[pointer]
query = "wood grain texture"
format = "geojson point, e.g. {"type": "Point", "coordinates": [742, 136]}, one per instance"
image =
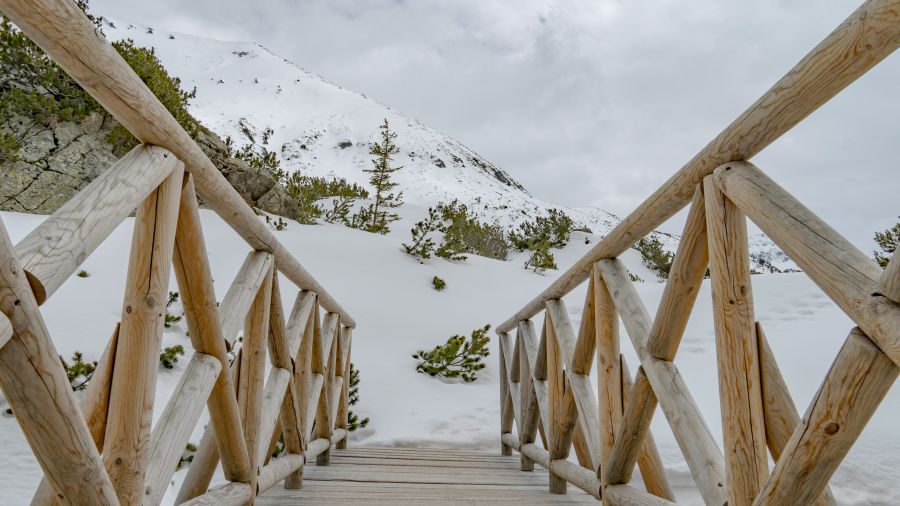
{"type": "Point", "coordinates": [865, 38]}
{"type": "Point", "coordinates": [740, 392]}
{"type": "Point", "coordinates": [172, 430]}
{"type": "Point", "coordinates": [889, 284]}
{"type": "Point", "coordinates": [844, 273]}
{"type": "Point", "coordinates": [697, 443]}
{"type": "Point", "coordinates": [131, 398]}
{"type": "Point", "coordinates": [35, 385]}
{"type": "Point", "coordinates": [609, 371]}
{"type": "Point", "coordinates": [857, 382]}
{"type": "Point", "coordinates": [201, 310]}
{"type": "Point", "coordinates": [779, 408]}
{"type": "Point", "coordinates": [55, 249]}
{"type": "Point", "coordinates": [649, 461]}
{"type": "Point", "coordinates": [85, 54]}
{"type": "Point", "coordinates": [623, 495]}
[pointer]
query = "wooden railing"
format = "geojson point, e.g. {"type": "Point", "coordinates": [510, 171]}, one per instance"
{"type": "Point", "coordinates": [545, 379]}
{"type": "Point", "coordinates": [107, 450]}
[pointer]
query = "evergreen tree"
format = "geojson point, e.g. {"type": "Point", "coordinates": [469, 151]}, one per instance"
{"type": "Point", "coordinates": [354, 422]}
{"type": "Point", "coordinates": [539, 236]}
{"type": "Point", "coordinates": [378, 216]}
{"type": "Point", "coordinates": [459, 357]}
{"type": "Point", "coordinates": [655, 257]}
{"type": "Point", "coordinates": [888, 242]}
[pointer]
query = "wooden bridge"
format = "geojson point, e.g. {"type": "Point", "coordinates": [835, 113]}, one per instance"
{"type": "Point", "coordinates": [106, 450]}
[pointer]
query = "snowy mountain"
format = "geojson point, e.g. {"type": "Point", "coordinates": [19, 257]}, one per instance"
{"type": "Point", "coordinates": [321, 129]}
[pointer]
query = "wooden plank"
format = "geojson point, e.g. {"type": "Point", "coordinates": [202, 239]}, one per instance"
{"type": "Point", "coordinates": [744, 432]}
{"type": "Point", "coordinates": [230, 494]}
{"type": "Point", "coordinates": [696, 441]}
{"type": "Point", "coordinates": [92, 62]}
{"type": "Point", "coordinates": [131, 398]}
{"type": "Point", "coordinates": [857, 382]}
{"type": "Point", "coordinates": [201, 311]}
{"type": "Point", "coordinates": [171, 432]}
{"type": "Point", "coordinates": [866, 37]}
{"type": "Point", "coordinates": [843, 272]}
{"type": "Point", "coordinates": [563, 413]}
{"type": "Point", "coordinates": [779, 409]}
{"type": "Point", "coordinates": [35, 385]}
{"type": "Point", "coordinates": [508, 410]}
{"type": "Point", "coordinates": [55, 249]}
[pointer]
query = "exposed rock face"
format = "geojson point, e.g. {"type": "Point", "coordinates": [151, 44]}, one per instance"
{"type": "Point", "coordinates": [55, 162]}
{"type": "Point", "coordinates": [58, 160]}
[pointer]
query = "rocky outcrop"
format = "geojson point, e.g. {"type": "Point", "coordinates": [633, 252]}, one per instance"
{"type": "Point", "coordinates": [57, 160]}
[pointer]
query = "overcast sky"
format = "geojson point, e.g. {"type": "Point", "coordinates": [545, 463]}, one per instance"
{"type": "Point", "coordinates": [587, 102]}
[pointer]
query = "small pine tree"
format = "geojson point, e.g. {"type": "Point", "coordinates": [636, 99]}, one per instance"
{"type": "Point", "coordinates": [540, 259]}
{"type": "Point", "coordinates": [422, 245]}
{"type": "Point", "coordinates": [171, 319]}
{"type": "Point", "coordinates": [169, 356]}
{"type": "Point", "coordinates": [354, 422]}
{"type": "Point", "coordinates": [888, 242]}
{"type": "Point", "coordinates": [379, 215]}
{"type": "Point", "coordinates": [539, 236]}
{"type": "Point", "coordinates": [78, 372]}
{"type": "Point", "coordinates": [459, 357]}
{"type": "Point", "coordinates": [655, 257]}
{"type": "Point", "coordinates": [438, 284]}
{"type": "Point", "coordinates": [340, 210]}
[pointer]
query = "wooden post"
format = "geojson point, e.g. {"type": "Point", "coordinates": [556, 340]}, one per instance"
{"type": "Point", "coordinates": [649, 461]}
{"type": "Point", "coordinates": [252, 374]}
{"type": "Point", "coordinates": [34, 383]}
{"type": "Point", "coordinates": [137, 354]}
{"type": "Point", "coordinates": [857, 382]}
{"type": "Point", "coordinates": [201, 312]}
{"type": "Point", "coordinates": [562, 419]}
{"type": "Point", "coordinates": [344, 369]}
{"type": "Point", "coordinates": [889, 284]}
{"type": "Point", "coordinates": [506, 403]}
{"type": "Point", "coordinates": [326, 357]}
{"type": "Point", "coordinates": [736, 348]}
{"type": "Point", "coordinates": [609, 372]}
{"type": "Point", "coordinates": [534, 391]}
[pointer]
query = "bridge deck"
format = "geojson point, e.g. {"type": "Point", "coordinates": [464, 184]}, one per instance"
{"type": "Point", "coordinates": [388, 476]}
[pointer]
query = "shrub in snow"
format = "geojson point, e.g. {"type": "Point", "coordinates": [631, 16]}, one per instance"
{"type": "Point", "coordinates": [459, 357]}
{"type": "Point", "coordinates": [462, 234]}
{"type": "Point", "coordinates": [83, 274]}
{"type": "Point", "coordinates": [308, 190]}
{"type": "Point", "coordinates": [171, 319]}
{"type": "Point", "coordinates": [888, 242]}
{"type": "Point", "coordinates": [354, 422]}
{"type": "Point", "coordinates": [538, 236]}
{"type": "Point", "coordinates": [438, 283]}
{"type": "Point", "coordinates": [378, 216]}
{"type": "Point", "coordinates": [169, 356]}
{"type": "Point", "coordinates": [655, 257]}
{"type": "Point", "coordinates": [187, 456]}
{"type": "Point", "coordinates": [78, 372]}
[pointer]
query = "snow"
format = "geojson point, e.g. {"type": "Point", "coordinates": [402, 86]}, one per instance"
{"type": "Point", "coordinates": [398, 312]}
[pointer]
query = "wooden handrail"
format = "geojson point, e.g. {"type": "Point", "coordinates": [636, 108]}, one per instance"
{"type": "Point", "coordinates": [85, 54]}
{"type": "Point", "coordinates": [865, 38]}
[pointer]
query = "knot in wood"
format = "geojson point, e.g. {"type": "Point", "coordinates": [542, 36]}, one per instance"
{"type": "Point", "coordinates": [831, 428]}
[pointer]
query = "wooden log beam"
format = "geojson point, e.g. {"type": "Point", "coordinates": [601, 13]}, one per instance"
{"type": "Point", "coordinates": [889, 284]}
{"type": "Point", "coordinates": [507, 408]}
{"type": "Point", "coordinates": [277, 470]}
{"type": "Point", "coordinates": [252, 375]}
{"type": "Point", "coordinates": [609, 371]}
{"type": "Point", "coordinates": [55, 249]}
{"type": "Point", "coordinates": [696, 441]}
{"type": "Point", "coordinates": [324, 362]}
{"type": "Point", "coordinates": [563, 412]}
{"type": "Point", "coordinates": [233, 493]}
{"type": "Point", "coordinates": [857, 382]}
{"type": "Point", "coordinates": [780, 412]}
{"type": "Point", "coordinates": [172, 430]}
{"type": "Point", "coordinates": [623, 495]}
{"type": "Point", "coordinates": [36, 387]}
{"type": "Point", "coordinates": [198, 298]}
{"type": "Point", "coordinates": [84, 53]}
{"type": "Point", "coordinates": [843, 272]}
{"type": "Point", "coordinates": [744, 432]}
{"type": "Point", "coordinates": [569, 472]}
{"type": "Point", "coordinates": [254, 272]}
{"type": "Point", "coordinates": [343, 414]}
{"type": "Point", "coordinates": [866, 37]}
{"type": "Point", "coordinates": [131, 398]}
{"type": "Point", "coordinates": [649, 461]}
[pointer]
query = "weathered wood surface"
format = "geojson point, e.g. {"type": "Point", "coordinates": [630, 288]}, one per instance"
{"type": "Point", "coordinates": [388, 476]}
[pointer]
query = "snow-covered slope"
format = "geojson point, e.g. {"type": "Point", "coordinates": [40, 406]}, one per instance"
{"type": "Point", "coordinates": [398, 312]}
{"type": "Point", "coordinates": [324, 130]}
